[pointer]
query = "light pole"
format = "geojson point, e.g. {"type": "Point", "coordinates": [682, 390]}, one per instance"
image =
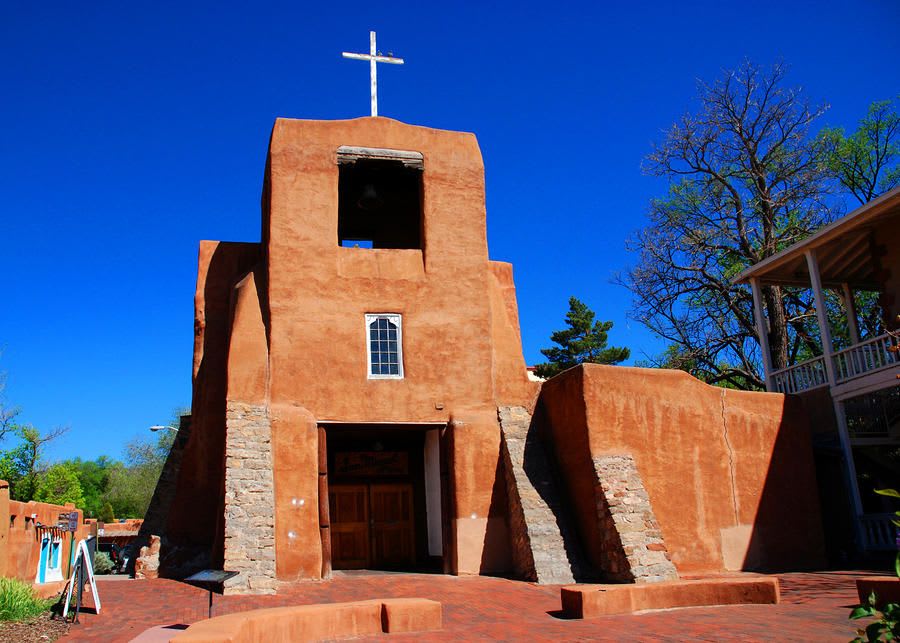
{"type": "Point", "coordinates": [160, 427]}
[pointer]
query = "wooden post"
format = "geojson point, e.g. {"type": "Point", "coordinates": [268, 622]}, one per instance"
{"type": "Point", "coordinates": [762, 329]}
{"type": "Point", "coordinates": [850, 471]}
{"type": "Point", "coordinates": [324, 514]}
{"type": "Point", "coordinates": [828, 350]}
{"type": "Point", "coordinates": [850, 309]}
{"type": "Point", "coordinates": [448, 507]}
{"type": "Point", "coordinates": [323, 451]}
{"type": "Point", "coordinates": [821, 314]}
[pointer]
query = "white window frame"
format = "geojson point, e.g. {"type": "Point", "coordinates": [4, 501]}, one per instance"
{"type": "Point", "coordinates": [397, 320]}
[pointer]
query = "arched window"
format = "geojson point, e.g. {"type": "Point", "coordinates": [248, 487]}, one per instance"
{"type": "Point", "coordinates": [384, 346]}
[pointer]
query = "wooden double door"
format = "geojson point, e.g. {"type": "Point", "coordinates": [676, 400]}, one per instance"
{"type": "Point", "coordinates": [372, 526]}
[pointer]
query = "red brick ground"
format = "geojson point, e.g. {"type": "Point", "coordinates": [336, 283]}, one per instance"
{"type": "Point", "coordinates": [814, 607]}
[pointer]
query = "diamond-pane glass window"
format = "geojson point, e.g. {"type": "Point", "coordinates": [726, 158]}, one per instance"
{"type": "Point", "coordinates": [384, 346]}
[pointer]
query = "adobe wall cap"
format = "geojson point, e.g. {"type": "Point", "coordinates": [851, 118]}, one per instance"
{"type": "Point", "coordinates": [365, 119]}
{"type": "Point", "coordinates": [588, 369]}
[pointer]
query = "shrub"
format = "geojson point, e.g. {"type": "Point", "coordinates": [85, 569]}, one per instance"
{"type": "Point", "coordinates": [102, 563]}
{"type": "Point", "coordinates": [18, 602]}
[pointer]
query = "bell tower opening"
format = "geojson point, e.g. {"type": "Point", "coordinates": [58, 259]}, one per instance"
{"type": "Point", "coordinates": [380, 198]}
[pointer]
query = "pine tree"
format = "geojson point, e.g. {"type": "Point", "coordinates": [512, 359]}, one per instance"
{"type": "Point", "coordinates": [583, 341]}
{"type": "Point", "coordinates": [107, 514]}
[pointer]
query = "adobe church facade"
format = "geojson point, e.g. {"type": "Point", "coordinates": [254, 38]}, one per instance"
{"type": "Point", "coordinates": [361, 400]}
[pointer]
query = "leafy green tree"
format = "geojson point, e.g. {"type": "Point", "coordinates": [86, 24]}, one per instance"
{"type": "Point", "coordinates": [93, 475]}
{"type": "Point", "coordinates": [673, 357]}
{"type": "Point", "coordinates": [58, 485]}
{"type": "Point", "coordinates": [128, 491]}
{"type": "Point", "coordinates": [583, 341]}
{"type": "Point", "coordinates": [19, 465]}
{"type": "Point", "coordinates": [867, 162]}
{"type": "Point", "coordinates": [7, 413]}
{"type": "Point", "coordinates": [131, 485]}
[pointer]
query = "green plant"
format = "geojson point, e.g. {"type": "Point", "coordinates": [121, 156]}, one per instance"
{"type": "Point", "coordinates": [887, 627]}
{"type": "Point", "coordinates": [102, 563]}
{"type": "Point", "coordinates": [892, 493]}
{"type": "Point", "coordinates": [18, 602]}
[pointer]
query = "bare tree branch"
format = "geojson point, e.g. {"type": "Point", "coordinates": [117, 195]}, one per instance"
{"type": "Point", "coordinates": [746, 180]}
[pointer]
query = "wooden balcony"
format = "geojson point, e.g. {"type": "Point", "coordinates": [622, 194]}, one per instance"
{"type": "Point", "coordinates": [866, 357]}
{"type": "Point", "coordinates": [801, 377]}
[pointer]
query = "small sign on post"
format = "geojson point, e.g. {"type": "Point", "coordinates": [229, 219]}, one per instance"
{"type": "Point", "coordinates": [210, 580]}
{"type": "Point", "coordinates": [68, 521]}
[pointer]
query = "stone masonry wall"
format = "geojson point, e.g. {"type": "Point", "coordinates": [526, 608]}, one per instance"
{"type": "Point", "coordinates": [249, 500]}
{"type": "Point", "coordinates": [633, 544]}
{"type": "Point", "coordinates": [538, 546]}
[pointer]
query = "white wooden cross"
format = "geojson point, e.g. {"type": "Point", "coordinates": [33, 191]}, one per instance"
{"type": "Point", "coordinates": [374, 57]}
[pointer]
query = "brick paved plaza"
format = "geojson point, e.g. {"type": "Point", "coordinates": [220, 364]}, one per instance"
{"type": "Point", "coordinates": [814, 607]}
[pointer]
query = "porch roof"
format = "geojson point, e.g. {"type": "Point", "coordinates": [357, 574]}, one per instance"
{"type": "Point", "coordinates": [843, 250]}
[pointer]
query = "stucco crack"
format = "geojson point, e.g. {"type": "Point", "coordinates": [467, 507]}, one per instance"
{"type": "Point", "coordinates": [728, 446]}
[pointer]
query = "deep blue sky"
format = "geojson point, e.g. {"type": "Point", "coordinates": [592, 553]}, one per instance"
{"type": "Point", "coordinates": [131, 130]}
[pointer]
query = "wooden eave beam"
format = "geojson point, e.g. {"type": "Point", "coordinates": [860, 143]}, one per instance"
{"type": "Point", "coordinates": [887, 205]}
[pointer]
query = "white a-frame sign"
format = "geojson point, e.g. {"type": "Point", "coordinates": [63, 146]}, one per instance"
{"type": "Point", "coordinates": [82, 565]}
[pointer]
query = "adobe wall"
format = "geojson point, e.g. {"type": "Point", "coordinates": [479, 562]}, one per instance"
{"type": "Point", "coordinates": [319, 292]}
{"type": "Point", "coordinates": [729, 473]}
{"type": "Point", "coordinates": [461, 351]}
{"type": "Point", "coordinates": [20, 535]}
{"type": "Point", "coordinates": [249, 519]}
{"type": "Point", "coordinates": [195, 518]}
{"type": "Point", "coordinates": [819, 409]}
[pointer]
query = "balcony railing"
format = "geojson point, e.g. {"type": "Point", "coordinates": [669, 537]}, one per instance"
{"type": "Point", "coordinates": [860, 359]}
{"type": "Point", "coordinates": [866, 357]}
{"type": "Point", "coordinates": [801, 377]}
{"type": "Point", "coordinates": [879, 531]}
